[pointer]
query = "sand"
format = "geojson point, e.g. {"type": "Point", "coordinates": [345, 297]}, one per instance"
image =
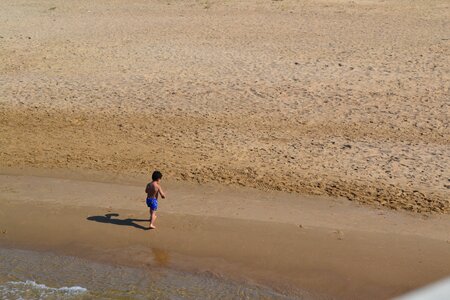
{"type": "Point", "coordinates": [329, 248]}
{"type": "Point", "coordinates": [315, 97]}
{"type": "Point", "coordinates": [289, 134]}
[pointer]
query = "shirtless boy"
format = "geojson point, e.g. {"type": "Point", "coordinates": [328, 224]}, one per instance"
{"type": "Point", "coordinates": [153, 191]}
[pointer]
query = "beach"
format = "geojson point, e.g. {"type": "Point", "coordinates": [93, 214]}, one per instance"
{"type": "Point", "coordinates": [318, 248]}
{"type": "Point", "coordinates": [304, 144]}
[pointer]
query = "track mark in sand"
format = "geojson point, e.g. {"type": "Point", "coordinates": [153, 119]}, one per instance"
{"type": "Point", "coordinates": [8, 189]}
{"type": "Point", "coordinates": [339, 234]}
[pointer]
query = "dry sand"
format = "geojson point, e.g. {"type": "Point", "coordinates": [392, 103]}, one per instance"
{"type": "Point", "coordinates": [341, 98]}
{"type": "Point", "coordinates": [328, 248]}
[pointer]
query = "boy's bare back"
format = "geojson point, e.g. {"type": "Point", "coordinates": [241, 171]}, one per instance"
{"type": "Point", "coordinates": [153, 190]}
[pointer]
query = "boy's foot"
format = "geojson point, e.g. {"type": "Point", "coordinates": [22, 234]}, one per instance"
{"type": "Point", "coordinates": [152, 227]}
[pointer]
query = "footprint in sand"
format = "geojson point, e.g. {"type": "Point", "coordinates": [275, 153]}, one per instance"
{"type": "Point", "coordinates": [339, 234]}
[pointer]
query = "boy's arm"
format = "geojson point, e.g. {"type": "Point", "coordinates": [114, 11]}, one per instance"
{"type": "Point", "coordinates": [161, 192]}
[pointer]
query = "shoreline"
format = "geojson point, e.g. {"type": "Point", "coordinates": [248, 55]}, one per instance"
{"type": "Point", "coordinates": [244, 243]}
{"type": "Point", "coordinates": [93, 279]}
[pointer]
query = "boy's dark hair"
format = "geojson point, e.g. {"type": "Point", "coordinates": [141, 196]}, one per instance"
{"type": "Point", "coordinates": [156, 175]}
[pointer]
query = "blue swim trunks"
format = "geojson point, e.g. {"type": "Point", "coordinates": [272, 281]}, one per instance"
{"type": "Point", "coordinates": [152, 203]}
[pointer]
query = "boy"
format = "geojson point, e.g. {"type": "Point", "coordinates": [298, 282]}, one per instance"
{"type": "Point", "coordinates": [153, 190]}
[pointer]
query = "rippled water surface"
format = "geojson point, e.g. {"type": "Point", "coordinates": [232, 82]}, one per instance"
{"type": "Point", "coordinates": [36, 275]}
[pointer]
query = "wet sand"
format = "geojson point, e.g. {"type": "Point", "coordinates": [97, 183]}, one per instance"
{"type": "Point", "coordinates": [52, 273]}
{"type": "Point", "coordinates": [326, 247]}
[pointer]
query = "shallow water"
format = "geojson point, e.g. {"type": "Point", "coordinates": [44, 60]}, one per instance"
{"type": "Point", "coordinates": [35, 275]}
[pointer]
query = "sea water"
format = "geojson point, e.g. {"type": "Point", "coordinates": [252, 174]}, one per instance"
{"type": "Point", "coordinates": [36, 275]}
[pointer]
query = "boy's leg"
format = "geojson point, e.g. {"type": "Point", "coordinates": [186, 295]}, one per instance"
{"type": "Point", "coordinates": [152, 218]}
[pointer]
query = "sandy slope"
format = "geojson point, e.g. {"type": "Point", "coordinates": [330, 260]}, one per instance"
{"type": "Point", "coordinates": [328, 249]}
{"type": "Point", "coordinates": [321, 97]}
